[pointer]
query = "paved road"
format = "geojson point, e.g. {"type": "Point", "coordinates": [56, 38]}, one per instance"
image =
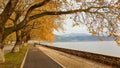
{"type": "Point", "coordinates": [37, 59]}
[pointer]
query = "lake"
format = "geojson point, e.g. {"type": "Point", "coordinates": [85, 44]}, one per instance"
{"type": "Point", "coordinates": [109, 48]}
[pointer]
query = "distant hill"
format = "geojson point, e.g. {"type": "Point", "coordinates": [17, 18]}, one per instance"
{"type": "Point", "coordinates": [79, 37]}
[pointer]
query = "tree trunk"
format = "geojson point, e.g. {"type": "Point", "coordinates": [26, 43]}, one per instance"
{"type": "Point", "coordinates": [2, 58]}
{"type": "Point", "coordinates": [18, 43]}
{"type": "Point", "coordinates": [16, 47]}
{"type": "Point", "coordinates": [27, 38]}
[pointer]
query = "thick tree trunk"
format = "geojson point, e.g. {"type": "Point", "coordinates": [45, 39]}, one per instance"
{"type": "Point", "coordinates": [2, 58]}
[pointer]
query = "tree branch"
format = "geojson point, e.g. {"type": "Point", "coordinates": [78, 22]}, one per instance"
{"type": "Point", "coordinates": [4, 16]}
{"type": "Point", "coordinates": [9, 30]}
{"type": "Point", "coordinates": [34, 7]}
{"type": "Point", "coordinates": [67, 12]}
{"type": "Point", "coordinates": [12, 19]}
{"type": "Point", "coordinates": [27, 18]}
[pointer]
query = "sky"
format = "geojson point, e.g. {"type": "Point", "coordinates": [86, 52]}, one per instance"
{"type": "Point", "coordinates": [77, 29]}
{"type": "Point", "coordinates": [68, 28]}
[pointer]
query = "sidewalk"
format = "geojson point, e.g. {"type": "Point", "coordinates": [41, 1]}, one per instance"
{"type": "Point", "coordinates": [8, 48]}
{"type": "Point", "coordinates": [37, 59]}
{"type": "Point", "coordinates": [71, 61]}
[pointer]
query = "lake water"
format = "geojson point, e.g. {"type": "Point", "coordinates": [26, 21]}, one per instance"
{"type": "Point", "coordinates": [105, 47]}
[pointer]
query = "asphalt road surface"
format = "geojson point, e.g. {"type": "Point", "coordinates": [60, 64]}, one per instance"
{"type": "Point", "coordinates": [37, 59]}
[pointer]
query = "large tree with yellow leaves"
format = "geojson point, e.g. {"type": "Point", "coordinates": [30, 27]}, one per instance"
{"type": "Point", "coordinates": [100, 16]}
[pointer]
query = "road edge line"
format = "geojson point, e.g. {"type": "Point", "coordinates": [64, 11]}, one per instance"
{"type": "Point", "coordinates": [53, 59]}
{"type": "Point", "coordinates": [22, 64]}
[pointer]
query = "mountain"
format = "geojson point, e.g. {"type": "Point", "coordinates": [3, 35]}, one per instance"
{"type": "Point", "coordinates": [79, 37]}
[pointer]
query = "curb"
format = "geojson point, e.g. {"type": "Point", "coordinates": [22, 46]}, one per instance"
{"type": "Point", "coordinates": [22, 64]}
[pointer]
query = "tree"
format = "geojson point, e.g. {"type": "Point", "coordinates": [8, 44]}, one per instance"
{"type": "Point", "coordinates": [4, 16]}
{"type": "Point", "coordinates": [100, 16]}
{"type": "Point", "coordinates": [15, 18]}
{"type": "Point", "coordinates": [42, 32]}
{"type": "Point", "coordinates": [27, 29]}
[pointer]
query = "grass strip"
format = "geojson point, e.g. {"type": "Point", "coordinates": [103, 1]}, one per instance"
{"type": "Point", "coordinates": [14, 60]}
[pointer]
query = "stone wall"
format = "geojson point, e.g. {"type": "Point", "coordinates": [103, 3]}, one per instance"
{"type": "Point", "coordinates": [108, 60]}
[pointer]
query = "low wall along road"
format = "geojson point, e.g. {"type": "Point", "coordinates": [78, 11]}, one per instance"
{"type": "Point", "coordinates": [108, 60]}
